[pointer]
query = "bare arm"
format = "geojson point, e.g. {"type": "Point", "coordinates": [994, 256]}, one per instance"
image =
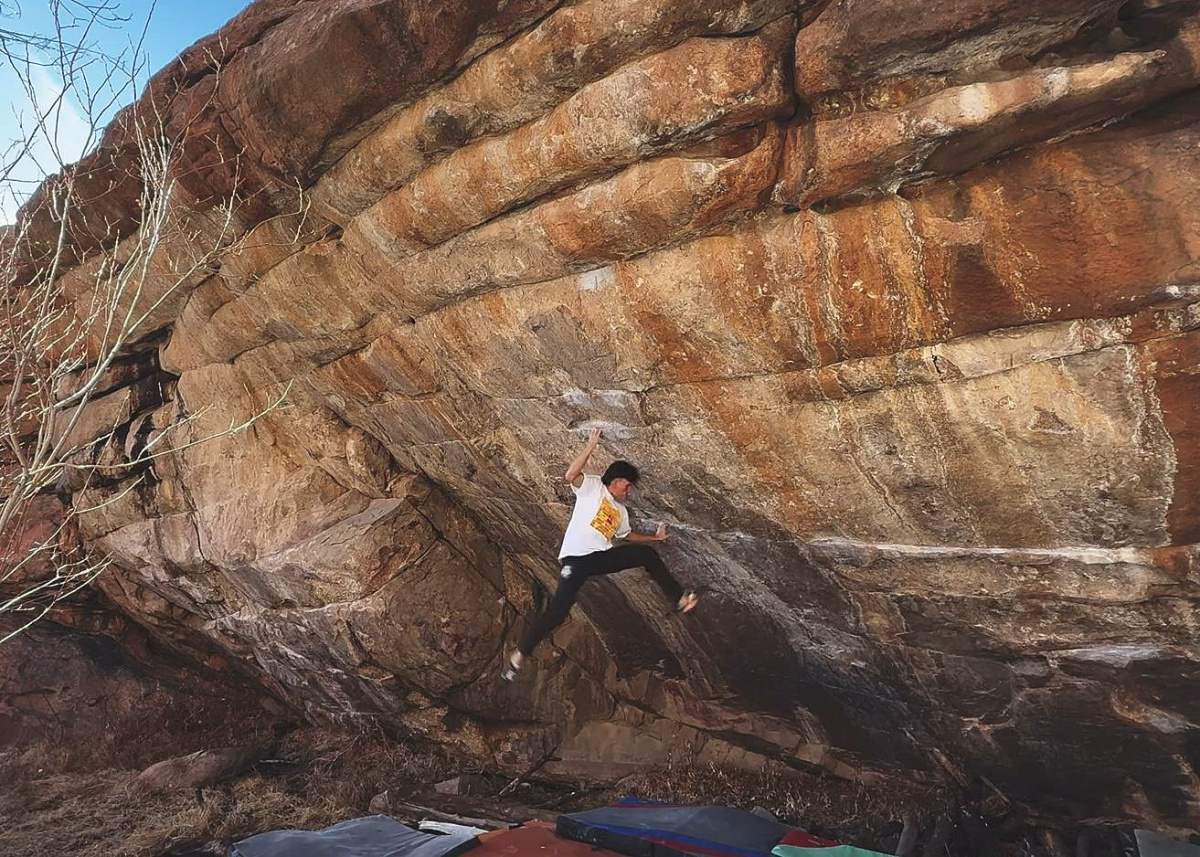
{"type": "Point", "coordinates": [645, 537]}
{"type": "Point", "coordinates": [575, 471]}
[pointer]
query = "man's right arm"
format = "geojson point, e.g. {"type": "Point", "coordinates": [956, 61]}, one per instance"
{"type": "Point", "coordinates": [574, 473]}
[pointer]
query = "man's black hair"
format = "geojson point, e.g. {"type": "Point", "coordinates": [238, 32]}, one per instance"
{"type": "Point", "coordinates": [620, 470]}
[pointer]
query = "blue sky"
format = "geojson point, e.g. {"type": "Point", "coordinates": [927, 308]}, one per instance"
{"type": "Point", "coordinates": [172, 26]}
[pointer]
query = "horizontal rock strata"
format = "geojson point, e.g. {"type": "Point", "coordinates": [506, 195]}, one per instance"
{"type": "Point", "coordinates": [896, 306]}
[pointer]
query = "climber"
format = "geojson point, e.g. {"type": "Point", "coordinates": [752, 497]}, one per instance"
{"type": "Point", "coordinates": [587, 550]}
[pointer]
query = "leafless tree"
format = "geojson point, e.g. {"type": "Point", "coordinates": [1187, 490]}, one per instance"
{"type": "Point", "coordinates": [71, 313]}
{"type": "Point", "coordinates": [92, 80]}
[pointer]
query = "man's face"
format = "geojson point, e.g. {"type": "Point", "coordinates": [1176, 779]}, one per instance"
{"type": "Point", "coordinates": [622, 489]}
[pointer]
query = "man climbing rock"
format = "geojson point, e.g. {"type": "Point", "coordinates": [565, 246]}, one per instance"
{"type": "Point", "coordinates": [587, 550]}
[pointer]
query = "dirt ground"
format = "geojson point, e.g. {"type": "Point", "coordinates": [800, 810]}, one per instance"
{"type": "Point", "coordinates": [56, 802]}
{"type": "Point", "coordinates": [49, 804]}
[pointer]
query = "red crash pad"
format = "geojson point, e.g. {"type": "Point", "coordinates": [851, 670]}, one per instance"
{"type": "Point", "coordinates": [534, 839]}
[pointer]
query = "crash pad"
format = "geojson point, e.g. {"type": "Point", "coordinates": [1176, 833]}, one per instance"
{"type": "Point", "coordinates": [1151, 844]}
{"type": "Point", "coordinates": [801, 844]}
{"type": "Point", "coordinates": [372, 836]}
{"type": "Point", "coordinates": [830, 851]}
{"type": "Point", "coordinates": [650, 829]}
{"type": "Point", "coordinates": [535, 838]}
{"type": "Point", "coordinates": [803, 839]}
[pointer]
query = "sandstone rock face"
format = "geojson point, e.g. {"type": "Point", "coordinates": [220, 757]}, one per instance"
{"type": "Point", "coordinates": [96, 688]}
{"type": "Point", "coordinates": [896, 306]}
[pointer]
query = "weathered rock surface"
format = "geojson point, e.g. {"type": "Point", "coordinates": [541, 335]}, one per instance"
{"type": "Point", "coordinates": [854, 44]}
{"type": "Point", "coordinates": [960, 126]}
{"type": "Point", "coordinates": [932, 447]}
{"type": "Point", "coordinates": [99, 690]}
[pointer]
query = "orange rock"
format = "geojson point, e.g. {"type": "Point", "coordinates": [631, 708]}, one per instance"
{"type": "Point", "coordinates": [905, 346]}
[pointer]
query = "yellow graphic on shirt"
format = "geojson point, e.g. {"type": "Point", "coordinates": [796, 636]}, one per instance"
{"type": "Point", "coordinates": [607, 519]}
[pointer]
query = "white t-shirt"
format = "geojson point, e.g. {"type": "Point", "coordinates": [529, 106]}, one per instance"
{"type": "Point", "coordinates": [597, 519]}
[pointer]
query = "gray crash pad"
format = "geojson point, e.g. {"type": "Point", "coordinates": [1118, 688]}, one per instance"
{"type": "Point", "coordinates": [373, 836]}
{"type": "Point", "coordinates": [1151, 844]}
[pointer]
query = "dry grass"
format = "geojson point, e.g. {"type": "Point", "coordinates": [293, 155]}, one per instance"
{"type": "Point", "coordinates": [49, 806]}
{"type": "Point", "coordinates": [45, 808]}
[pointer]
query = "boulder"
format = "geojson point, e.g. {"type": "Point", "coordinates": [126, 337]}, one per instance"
{"type": "Point", "coordinates": [895, 304]}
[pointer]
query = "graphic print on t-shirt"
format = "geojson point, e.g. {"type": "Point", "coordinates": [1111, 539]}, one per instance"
{"type": "Point", "coordinates": [607, 519]}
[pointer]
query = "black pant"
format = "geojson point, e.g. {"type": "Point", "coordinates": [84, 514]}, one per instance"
{"type": "Point", "coordinates": [577, 569]}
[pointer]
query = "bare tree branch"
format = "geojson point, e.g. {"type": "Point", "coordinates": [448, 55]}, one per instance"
{"type": "Point", "coordinates": [60, 345]}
